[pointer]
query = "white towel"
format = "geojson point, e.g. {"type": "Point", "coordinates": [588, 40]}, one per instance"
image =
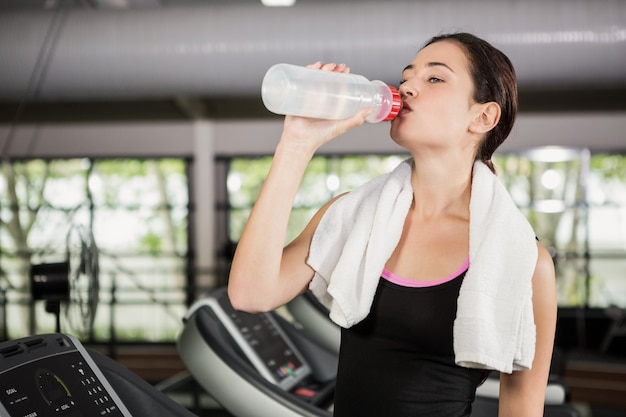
{"type": "Point", "coordinates": [494, 327]}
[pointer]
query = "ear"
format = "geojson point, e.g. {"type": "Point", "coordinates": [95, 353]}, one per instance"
{"type": "Point", "coordinates": [487, 117]}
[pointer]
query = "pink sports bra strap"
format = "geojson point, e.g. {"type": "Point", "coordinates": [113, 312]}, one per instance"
{"type": "Point", "coordinates": [405, 282]}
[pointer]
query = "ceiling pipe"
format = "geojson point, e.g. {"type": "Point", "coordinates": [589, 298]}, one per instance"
{"type": "Point", "coordinates": [212, 51]}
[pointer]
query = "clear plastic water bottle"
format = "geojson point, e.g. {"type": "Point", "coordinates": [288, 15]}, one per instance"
{"type": "Point", "coordinates": [302, 91]}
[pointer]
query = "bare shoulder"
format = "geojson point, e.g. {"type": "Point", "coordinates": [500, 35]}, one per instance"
{"type": "Point", "coordinates": [544, 301]}
{"type": "Point", "coordinates": [544, 275]}
{"type": "Point", "coordinates": [544, 291]}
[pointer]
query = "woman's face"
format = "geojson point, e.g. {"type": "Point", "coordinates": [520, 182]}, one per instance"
{"type": "Point", "coordinates": [437, 91]}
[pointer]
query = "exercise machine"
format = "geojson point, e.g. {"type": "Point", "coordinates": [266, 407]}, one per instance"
{"type": "Point", "coordinates": [55, 375]}
{"type": "Point", "coordinates": [312, 316]}
{"type": "Point", "coordinates": [256, 364]}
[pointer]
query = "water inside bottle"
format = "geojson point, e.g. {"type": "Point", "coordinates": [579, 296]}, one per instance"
{"type": "Point", "coordinates": [331, 100]}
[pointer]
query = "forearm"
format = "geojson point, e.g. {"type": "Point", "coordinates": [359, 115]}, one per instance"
{"type": "Point", "coordinates": [519, 397]}
{"type": "Point", "coordinates": [255, 273]}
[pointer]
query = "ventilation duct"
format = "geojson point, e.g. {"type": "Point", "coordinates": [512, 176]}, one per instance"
{"type": "Point", "coordinates": [215, 50]}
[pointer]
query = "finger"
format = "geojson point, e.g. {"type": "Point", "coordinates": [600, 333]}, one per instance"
{"type": "Point", "coordinates": [330, 66]}
{"type": "Point", "coordinates": [353, 121]}
{"type": "Point", "coordinates": [360, 116]}
{"type": "Point", "coordinates": [343, 68]}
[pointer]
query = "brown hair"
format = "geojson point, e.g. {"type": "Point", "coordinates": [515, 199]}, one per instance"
{"type": "Point", "coordinates": [494, 80]}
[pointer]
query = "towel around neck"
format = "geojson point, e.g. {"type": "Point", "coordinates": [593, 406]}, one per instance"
{"type": "Point", "coordinates": [494, 327]}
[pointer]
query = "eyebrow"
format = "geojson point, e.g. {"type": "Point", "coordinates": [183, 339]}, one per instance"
{"type": "Point", "coordinates": [430, 64]}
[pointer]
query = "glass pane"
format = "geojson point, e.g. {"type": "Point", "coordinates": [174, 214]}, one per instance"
{"type": "Point", "coordinates": [39, 201]}
{"type": "Point", "coordinates": [324, 178]}
{"type": "Point", "coordinates": [578, 208]}
{"type": "Point", "coordinates": [137, 211]}
{"type": "Point", "coordinates": [608, 281]}
{"type": "Point", "coordinates": [141, 223]}
{"type": "Point", "coordinates": [607, 230]}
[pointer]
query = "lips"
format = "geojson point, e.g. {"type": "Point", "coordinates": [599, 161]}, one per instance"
{"type": "Point", "coordinates": [405, 108]}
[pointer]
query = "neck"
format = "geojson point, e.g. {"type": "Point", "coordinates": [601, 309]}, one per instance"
{"type": "Point", "coordinates": [441, 186]}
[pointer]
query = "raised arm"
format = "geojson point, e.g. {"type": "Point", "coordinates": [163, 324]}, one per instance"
{"type": "Point", "coordinates": [264, 273]}
{"type": "Point", "coordinates": [522, 393]}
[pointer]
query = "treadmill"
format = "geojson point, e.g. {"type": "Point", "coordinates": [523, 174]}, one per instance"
{"type": "Point", "coordinates": [314, 319]}
{"type": "Point", "coordinates": [55, 375]}
{"type": "Point", "coordinates": [256, 364]}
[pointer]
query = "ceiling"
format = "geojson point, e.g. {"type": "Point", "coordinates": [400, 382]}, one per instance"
{"type": "Point", "coordinates": [137, 4]}
{"type": "Point", "coordinates": [538, 98]}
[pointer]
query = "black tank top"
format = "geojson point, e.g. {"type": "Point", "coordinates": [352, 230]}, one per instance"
{"type": "Point", "coordinates": [399, 361]}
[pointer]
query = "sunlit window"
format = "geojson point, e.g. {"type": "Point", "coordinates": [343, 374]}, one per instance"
{"type": "Point", "coordinates": [137, 211]}
{"type": "Point", "coordinates": [324, 178]}
{"type": "Point", "coordinates": [575, 201]}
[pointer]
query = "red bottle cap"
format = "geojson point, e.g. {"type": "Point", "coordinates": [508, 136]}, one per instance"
{"type": "Point", "coordinates": [396, 104]}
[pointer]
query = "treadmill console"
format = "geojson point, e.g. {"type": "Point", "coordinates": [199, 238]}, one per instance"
{"type": "Point", "coordinates": [53, 375]}
{"type": "Point", "coordinates": [262, 341]}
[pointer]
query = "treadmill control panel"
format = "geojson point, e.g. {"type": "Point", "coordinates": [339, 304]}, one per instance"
{"type": "Point", "coordinates": [261, 340]}
{"type": "Point", "coordinates": [53, 375]}
{"type": "Point", "coordinates": [278, 357]}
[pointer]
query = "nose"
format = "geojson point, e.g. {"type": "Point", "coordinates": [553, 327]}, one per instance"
{"type": "Point", "coordinates": [406, 90]}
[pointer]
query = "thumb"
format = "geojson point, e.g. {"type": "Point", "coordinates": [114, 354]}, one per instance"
{"type": "Point", "coordinates": [355, 120]}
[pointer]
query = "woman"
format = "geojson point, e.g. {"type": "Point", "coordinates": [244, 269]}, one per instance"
{"type": "Point", "coordinates": [401, 340]}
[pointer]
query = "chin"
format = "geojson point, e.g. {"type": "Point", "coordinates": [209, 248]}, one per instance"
{"type": "Point", "coordinates": [401, 135]}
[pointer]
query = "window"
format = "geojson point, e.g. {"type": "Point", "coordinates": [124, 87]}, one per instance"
{"type": "Point", "coordinates": [606, 194]}
{"type": "Point", "coordinates": [336, 174]}
{"type": "Point", "coordinates": [137, 211]}
{"type": "Point", "coordinates": [575, 201]}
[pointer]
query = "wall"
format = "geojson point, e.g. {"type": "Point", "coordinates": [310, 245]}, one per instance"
{"type": "Point", "coordinates": [598, 131]}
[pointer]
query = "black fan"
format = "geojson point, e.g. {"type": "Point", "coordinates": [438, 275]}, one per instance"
{"type": "Point", "coordinates": [72, 283]}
